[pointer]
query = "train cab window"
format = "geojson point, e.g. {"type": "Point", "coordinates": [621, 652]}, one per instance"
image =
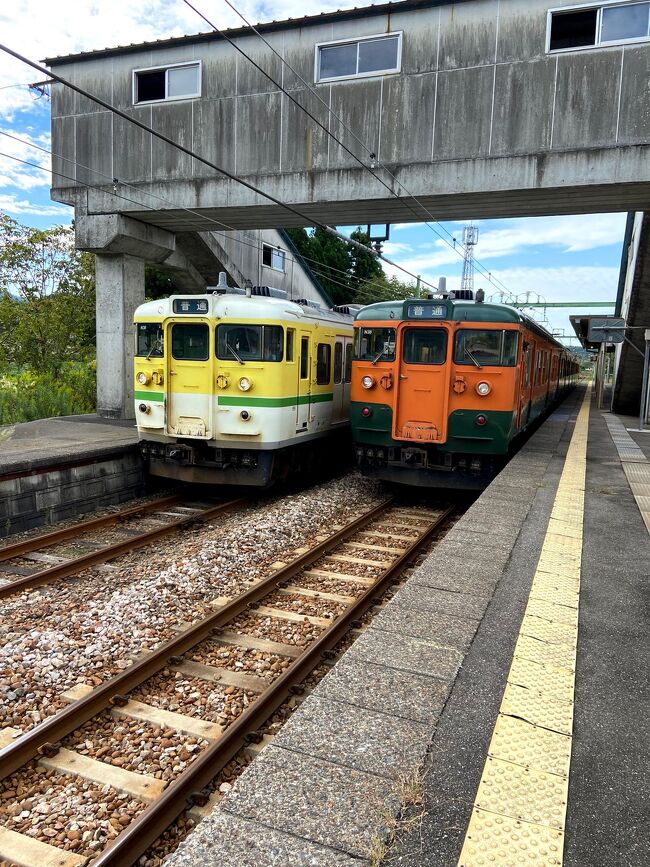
{"type": "Point", "coordinates": [375, 344]}
{"type": "Point", "coordinates": [291, 336]}
{"type": "Point", "coordinates": [348, 363]}
{"type": "Point", "coordinates": [323, 364]}
{"type": "Point", "coordinates": [424, 346]}
{"type": "Point", "coordinates": [190, 341]}
{"type": "Point", "coordinates": [338, 361]}
{"type": "Point", "coordinates": [486, 348]}
{"type": "Point", "coordinates": [304, 358]}
{"type": "Point", "coordinates": [250, 342]}
{"type": "Point", "coordinates": [149, 341]}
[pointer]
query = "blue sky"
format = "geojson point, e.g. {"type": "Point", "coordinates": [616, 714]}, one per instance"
{"type": "Point", "coordinates": [560, 258]}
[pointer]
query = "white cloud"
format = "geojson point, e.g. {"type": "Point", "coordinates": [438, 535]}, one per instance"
{"type": "Point", "coordinates": [13, 205]}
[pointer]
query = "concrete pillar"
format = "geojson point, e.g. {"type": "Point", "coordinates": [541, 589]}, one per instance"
{"type": "Point", "coordinates": [120, 289]}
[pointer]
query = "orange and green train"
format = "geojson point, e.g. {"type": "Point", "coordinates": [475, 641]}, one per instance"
{"type": "Point", "coordinates": [442, 388]}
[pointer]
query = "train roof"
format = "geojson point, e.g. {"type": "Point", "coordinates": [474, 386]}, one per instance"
{"type": "Point", "coordinates": [238, 307]}
{"type": "Point", "coordinates": [430, 310]}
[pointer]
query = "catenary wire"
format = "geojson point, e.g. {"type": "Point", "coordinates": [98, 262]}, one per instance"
{"type": "Point", "coordinates": [316, 264]}
{"type": "Point", "coordinates": [119, 113]}
{"type": "Point", "coordinates": [429, 216]}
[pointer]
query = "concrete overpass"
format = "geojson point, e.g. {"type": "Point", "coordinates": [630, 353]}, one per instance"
{"type": "Point", "coordinates": [487, 108]}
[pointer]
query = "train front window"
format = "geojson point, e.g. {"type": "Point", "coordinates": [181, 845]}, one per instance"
{"type": "Point", "coordinates": [250, 342]}
{"type": "Point", "coordinates": [190, 341]}
{"type": "Point", "coordinates": [149, 342]}
{"type": "Point", "coordinates": [375, 344]}
{"type": "Point", "coordinates": [486, 348]}
{"type": "Point", "coordinates": [424, 346]}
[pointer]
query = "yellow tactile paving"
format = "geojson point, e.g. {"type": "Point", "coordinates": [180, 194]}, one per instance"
{"type": "Point", "coordinates": [520, 806]}
{"type": "Point", "coordinates": [518, 741]}
{"type": "Point", "coordinates": [497, 841]}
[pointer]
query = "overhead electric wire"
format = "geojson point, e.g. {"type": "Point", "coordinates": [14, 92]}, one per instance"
{"type": "Point", "coordinates": [317, 264]}
{"type": "Point", "coordinates": [429, 215]}
{"type": "Point", "coordinates": [119, 113]}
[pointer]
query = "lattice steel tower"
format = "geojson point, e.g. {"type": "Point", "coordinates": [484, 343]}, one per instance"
{"type": "Point", "coordinates": [470, 240]}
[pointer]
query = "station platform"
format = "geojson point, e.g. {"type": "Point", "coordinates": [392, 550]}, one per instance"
{"type": "Point", "coordinates": [59, 468]}
{"type": "Point", "coordinates": [495, 711]}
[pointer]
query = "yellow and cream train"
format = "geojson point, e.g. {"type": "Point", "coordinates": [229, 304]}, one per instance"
{"type": "Point", "coordinates": [233, 387]}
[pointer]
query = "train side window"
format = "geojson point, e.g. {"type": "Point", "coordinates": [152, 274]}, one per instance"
{"type": "Point", "coordinates": [304, 358]}
{"type": "Point", "coordinates": [190, 341]}
{"type": "Point", "coordinates": [424, 346]}
{"type": "Point", "coordinates": [291, 333]}
{"type": "Point", "coordinates": [338, 361]}
{"type": "Point", "coordinates": [348, 363]}
{"type": "Point", "coordinates": [323, 364]}
{"type": "Point", "coordinates": [510, 346]}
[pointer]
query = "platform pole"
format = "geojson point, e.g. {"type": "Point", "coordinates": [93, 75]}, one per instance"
{"type": "Point", "coordinates": [120, 289]}
{"type": "Point", "coordinates": [643, 408]}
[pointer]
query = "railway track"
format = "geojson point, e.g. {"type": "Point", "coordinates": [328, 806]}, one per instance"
{"type": "Point", "coordinates": [384, 540]}
{"type": "Point", "coordinates": [171, 513]}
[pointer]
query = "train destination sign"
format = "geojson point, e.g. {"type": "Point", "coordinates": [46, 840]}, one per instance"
{"type": "Point", "coordinates": [426, 311]}
{"type": "Point", "coordinates": [190, 305]}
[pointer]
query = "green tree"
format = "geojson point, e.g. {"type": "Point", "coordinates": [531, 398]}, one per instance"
{"type": "Point", "coordinates": [383, 288]}
{"type": "Point", "coordinates": [158, 284]}
{"type": "Point", "coordinates": [365, 266]}
{"type": "Point", "coordinates": [47, 298]}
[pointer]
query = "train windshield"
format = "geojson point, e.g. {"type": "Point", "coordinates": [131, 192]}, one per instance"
{"type": "Point", "coordinates": [375, 344]}
{"type": "Point", "coordinates": [483, 347]}
{"type": "Point", "coordinates": [250, 342]}
{"type": "Point", "coordinates": [424, 346]}
{"type": "Point", "coordinates": [149, 340]}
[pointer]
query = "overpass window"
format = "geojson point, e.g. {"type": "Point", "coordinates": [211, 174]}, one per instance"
{"type": "Point", "coordinates": [167, 83]}
{"type": "Point", "coordinates": [273, 257]}
{"type": "Point", "coordinates": [600, 25]}
{"type": "Point", "coordinates": [358, 57]}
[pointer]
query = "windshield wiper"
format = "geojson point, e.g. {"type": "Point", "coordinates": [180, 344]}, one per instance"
{"type": "Point", "coordinates": [228, 346]}
{"type": "Point", "coordinates": [156, 347]}
{"type": "Point", "coordinates": [472, 358]}
{"type": "Point", "coordinates": [375, 360]}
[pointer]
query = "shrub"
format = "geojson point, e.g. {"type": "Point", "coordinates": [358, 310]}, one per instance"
{"type": "Point", "coordinates": [25, 396]}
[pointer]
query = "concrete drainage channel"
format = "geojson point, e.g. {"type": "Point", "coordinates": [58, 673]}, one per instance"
{"type": "Point", "coordinates": [305, 593]}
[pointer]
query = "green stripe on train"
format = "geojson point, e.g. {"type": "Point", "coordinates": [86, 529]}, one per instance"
{"type": "Point", "coordinates": [275, 401]}
{"type": "Point", "coordinates": [149, 395]}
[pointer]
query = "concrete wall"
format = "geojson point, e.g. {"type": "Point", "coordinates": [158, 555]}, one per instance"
{"type": "Point", "coordinates": [480, 120]}
{"type": "Point", "coordinates": [49, 495]}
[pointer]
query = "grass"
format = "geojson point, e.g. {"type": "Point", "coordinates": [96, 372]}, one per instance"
{"type": "Point", "coordinates": [26, 396]}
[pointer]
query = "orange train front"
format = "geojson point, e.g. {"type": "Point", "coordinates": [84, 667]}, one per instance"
{"type": "Point", "coordinates": [442, 388]}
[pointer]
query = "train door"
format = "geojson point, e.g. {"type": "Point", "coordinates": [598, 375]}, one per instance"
{"type": "Point", "coordinates": [304, 383]}
{"type": "Point", "coordinates": [526, 384]}
{"type": "Point", "coordinates": [341, 388]}
{"type": "Point", "coordinates": [189, 377]}
{"type": "Point", "coordinates": [422, 393]}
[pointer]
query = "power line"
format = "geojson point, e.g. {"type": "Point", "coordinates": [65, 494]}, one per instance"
{"type": "Point", "coordinates": [222, 226]}
{"type": "Point", "coordinates": [303, 217]}
{"type": "Point", "coordinates": [429, 215]}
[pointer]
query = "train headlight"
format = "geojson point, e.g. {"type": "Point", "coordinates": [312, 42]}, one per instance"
{"type": "Point", "coordinates": [367, 381]}
{"type": "Point", "coordinates": [245, 384]}
{"type": "Point", "coordinates": [142, 377]}
{"type": "Point", "coordinates": [483, 388]}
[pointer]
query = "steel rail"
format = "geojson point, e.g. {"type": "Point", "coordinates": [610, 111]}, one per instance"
{"type": "Point", "coordinates": [71, 567]}
{"type": "Point", "coordinates": [35, 543]}
{"type": "Point", "coordinates": [70, 718]}
{"type": "Point", "coordinates": [156, 818]}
